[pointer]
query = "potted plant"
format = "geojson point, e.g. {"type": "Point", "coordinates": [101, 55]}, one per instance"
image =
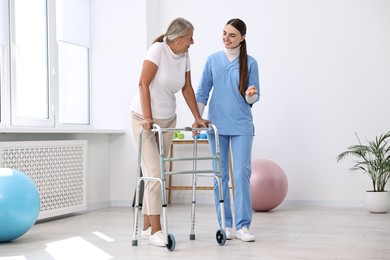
{"type": "Point", "coordinates": [374, 160]}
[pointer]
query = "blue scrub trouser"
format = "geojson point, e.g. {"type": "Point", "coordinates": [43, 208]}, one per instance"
{"type": "Point", "coordinates": [241, 152]}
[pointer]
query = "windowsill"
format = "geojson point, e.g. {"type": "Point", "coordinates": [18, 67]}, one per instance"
{"type": "Point", "coordinates": [26, 130]}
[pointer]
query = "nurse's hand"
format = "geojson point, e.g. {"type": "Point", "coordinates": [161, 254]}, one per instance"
{"type": "Point", "coordinates": [251, 90]}
{"type": "Point", "coordinates": [200, 123]}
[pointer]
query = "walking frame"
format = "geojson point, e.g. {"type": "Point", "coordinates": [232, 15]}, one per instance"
{"type": "Point", "coordinates": [216, 174]}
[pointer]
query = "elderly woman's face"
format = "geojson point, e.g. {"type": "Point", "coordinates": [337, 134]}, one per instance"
{"type": "Point", "coordinates": [231, 37]}
{"type": "Point", "coordinates": [185, 42]}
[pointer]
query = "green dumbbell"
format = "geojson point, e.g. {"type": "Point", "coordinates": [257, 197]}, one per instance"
{"type": "Point", "coordinates": [178, 135]}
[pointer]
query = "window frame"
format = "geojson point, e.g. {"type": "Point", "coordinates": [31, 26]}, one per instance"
{"type": "Point", "coordinates": [8, 119]}
{"type": "Point", "coordinates": [4, 68]}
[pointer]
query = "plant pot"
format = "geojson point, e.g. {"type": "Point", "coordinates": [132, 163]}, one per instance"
{"type": "Point", "coordinates": [377, 201]}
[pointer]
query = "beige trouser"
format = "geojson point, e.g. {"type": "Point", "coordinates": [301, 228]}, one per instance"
{"type": "Point", "coordinates": [150, 160]}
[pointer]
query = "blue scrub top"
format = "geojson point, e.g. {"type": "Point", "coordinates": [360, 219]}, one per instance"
{"type": "Point", "coordinates": [228, 110]}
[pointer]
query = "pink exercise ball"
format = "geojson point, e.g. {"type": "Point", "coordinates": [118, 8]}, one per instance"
{"type": "Point", "coordinates": [268, 184]}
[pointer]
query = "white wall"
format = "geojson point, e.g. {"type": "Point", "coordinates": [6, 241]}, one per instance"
{"type": "Point", "coordinates": [324, 75]}
{"type": "Point", "coordinates": [118, 48]}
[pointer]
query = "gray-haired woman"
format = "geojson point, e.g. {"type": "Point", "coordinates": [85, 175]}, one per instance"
{"type": "Point", "coordinates": [165, 71]}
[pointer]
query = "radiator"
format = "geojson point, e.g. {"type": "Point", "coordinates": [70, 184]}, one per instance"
{"type": "Point", "coordinates": [58, 169]}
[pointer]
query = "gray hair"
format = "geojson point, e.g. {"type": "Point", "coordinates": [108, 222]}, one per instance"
{"type": "Point", "coordinates": [178, 28]}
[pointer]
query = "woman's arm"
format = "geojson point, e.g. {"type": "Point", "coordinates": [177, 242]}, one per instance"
{"type": "Point", "coordinates": [252, 93]}
{"type": "Point", "coordinates": [149, 70]}
{"type": "Point", "coordinates": [189, 96]}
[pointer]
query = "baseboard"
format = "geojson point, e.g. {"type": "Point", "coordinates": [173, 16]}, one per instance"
{"type": "Point", "coordinates": [207, 200]}
{"type": "Point", "coordinates": [321, 203]}
{"type": "Point", "coordinates": [121, 203]}
{"type": "Point", "coordinates": [96, 206]}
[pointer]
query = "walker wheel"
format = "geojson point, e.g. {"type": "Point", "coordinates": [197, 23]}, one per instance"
{"type": "Point", "coordinates": [221, 237]}
{"type": "Point", "coordinates": [171, 242]}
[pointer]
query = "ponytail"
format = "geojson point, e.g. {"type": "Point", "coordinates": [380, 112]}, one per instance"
{"type": "Point", "coordinates": [159, 38]}
{"type": "Point", "coordinates": [241, 27]}
{"type": "Point", "coordinates": [243, 69]}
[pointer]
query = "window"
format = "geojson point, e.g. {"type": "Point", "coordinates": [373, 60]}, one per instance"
{"type": "Point", "coordinates": [1, 80]}
{"type": "Point", "coordinates": [73, 84]}
{"type": "Point", "coordinates": [30, 63]}
{"type": "Point", "coordinates": [73, 34]}
{"type": "Point", "coordinates": [3, 57]}
{"type": "Point", "coordinates": [49, 63]}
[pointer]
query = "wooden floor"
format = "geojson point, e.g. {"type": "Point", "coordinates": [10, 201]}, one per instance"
{"type": "Point", "coordinates": [287, 232]}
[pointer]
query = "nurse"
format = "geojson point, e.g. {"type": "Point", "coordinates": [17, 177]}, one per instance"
{"type": "Point", "coordinates": [233, 77]}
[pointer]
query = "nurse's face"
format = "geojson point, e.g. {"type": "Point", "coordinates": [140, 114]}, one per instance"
{"type": "Point", "coordinates": [231, 37]}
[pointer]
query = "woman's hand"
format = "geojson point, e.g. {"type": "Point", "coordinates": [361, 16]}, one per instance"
{"type": "Point", "coordinates": [147, 124]}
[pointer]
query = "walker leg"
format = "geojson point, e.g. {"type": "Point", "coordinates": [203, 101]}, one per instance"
{"type": "Point", "coordinates": [221, 233]}
{"type": "Point", "coordinates": [137, 192]}
{"type": "Point", "coordinates": [193, 204]}
{"type": "Point", "coordinates": [170, 242]}
{"type": "Point", "coordinates": [136, 206]}
{"type": "Point", "coordinates": [194, 180]}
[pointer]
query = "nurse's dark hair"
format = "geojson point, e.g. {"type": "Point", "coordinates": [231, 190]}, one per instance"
{"type": "Point", "coordinates": [241, 27]}
{"type": "Point", "coordinates": [178, 28]}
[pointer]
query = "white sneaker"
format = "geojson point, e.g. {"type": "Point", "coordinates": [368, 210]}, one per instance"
{"type": "Point", "coordinates": [244, 235]}
{"type": "Point", "coordinates": [146, 233]}
{"type": "Point", "coordinates": [157, 239]}
{"type": "Point", "coordinates": [228, 232]}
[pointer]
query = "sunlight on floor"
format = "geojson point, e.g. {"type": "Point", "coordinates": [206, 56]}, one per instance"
{"type": "Point", "coordinates": [102, 236]}
{"type": "Point", "coordinates": [75, 248]}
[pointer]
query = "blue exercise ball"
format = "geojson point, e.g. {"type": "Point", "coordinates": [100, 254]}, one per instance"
{"type": "Point", "coordinates": [19, 204]}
